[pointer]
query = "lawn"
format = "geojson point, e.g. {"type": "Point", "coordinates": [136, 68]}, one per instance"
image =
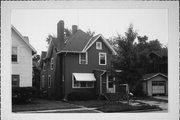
{"type": "Point", "coordinates": [40, 104]}
{"type": "Point", "coordinates": [107, 106]}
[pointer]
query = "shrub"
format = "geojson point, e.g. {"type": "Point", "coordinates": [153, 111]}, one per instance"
{"type": "Point", "coordinates": [81, 96]}
{"type": "Point", "coordinates": [22, 95]}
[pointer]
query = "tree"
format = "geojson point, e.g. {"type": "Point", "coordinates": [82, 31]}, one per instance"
{"type": "Point", "coordinates": [36, 71]}
{"type": "Point", "coordinates": [90, 33]}
{"type": "Point", "coordinates": [127, 59]}
{"type": "Point", "coordinates": [49, 38]}
{"type": "Point", "coordinates": [133, 58]}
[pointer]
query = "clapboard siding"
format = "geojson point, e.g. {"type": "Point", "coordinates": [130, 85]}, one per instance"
{"type": "Point", "coordinates": [24, 65]}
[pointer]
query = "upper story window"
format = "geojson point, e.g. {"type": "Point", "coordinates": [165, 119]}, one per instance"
{"type": "Point", "coordinates": [83, 58]}
{"type": "Point", "coordinates": [15, 80]}
{"type": "Point", "coordinates": [98, 45]}
{"type": "Point", "coordinates": [49, 81]}
{"type": "Point", "coordinates": [14, 54]}
{"type": "Point", "coordinates": [102, 58]}
{"type": "Point", "coordinates": [52, 63]}
{"type": "Point", "coordinates": [44, 66]}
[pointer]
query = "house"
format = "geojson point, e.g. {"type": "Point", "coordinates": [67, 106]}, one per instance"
{"type": "Point", "coordinates": [155, 84]}
{"type": "Point", "coordinates": [159, 61]}
{"type": "Point", "coordinates": [78, 63]}
{"type": "Point", "coordinates": [22, 52]}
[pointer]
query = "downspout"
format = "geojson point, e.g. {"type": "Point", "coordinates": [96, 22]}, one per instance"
{"type": "Point", "coordinates": [63, 75]}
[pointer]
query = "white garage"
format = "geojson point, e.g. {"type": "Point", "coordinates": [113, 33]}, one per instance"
{"type": "Point", "coordinates": [155, 84]}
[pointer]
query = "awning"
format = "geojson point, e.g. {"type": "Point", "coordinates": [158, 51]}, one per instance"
{"type": "Point", "coordinates": [84, 76]}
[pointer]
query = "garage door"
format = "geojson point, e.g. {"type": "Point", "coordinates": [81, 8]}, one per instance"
{"type": "Point", "coordinates": [158, 87]}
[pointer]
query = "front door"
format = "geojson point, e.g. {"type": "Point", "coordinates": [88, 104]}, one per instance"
{"type": "Point", "coordinates": [110, 84]}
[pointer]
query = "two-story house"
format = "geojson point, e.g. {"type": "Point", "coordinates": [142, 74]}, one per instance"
{"type": "Point", "coordinates": [22, 52]}
{"type": "Point", "coordinates": [79, 63]}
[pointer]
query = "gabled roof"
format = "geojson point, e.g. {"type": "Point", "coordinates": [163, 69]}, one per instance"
{"type": "Point", "coordinates": [94, 39]}
{"type": "Point", "coordinates": [152, 75]}
{"type": "Point", "coordinates": [24, 39]}
{"type": "Point", "coordinates": [160, 53]}
{"type": "Point", "coordinates": [76, 42]}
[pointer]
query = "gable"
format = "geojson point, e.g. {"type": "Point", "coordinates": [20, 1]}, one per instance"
{"type": "Point", "coordinates": [16, 35]}
{"type": "Point", "coordinates": [153, 75]}
{"type": "Point", "coordinates": [104, 47]}
{"type": "Point", "coordinates": [104, 41]}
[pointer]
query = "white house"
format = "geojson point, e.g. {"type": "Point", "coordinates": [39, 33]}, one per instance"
{"type": "Point", "coordinates": [22, 53]}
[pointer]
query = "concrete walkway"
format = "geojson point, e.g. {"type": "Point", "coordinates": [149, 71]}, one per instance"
{"type": "Point", "coordinates": [161, 97]}
{"type": "Point", "coordinates": [76, 110]}
{"type": "Point", "coordinates": [162, 105]}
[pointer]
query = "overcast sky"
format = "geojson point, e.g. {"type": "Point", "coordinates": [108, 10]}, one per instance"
{"type": "Point", "coordinates": [38, 23]}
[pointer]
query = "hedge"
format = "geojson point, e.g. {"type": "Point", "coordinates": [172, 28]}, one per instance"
{"type": "Point", "coordinates": [22, 95]}
{"type": "Point", "coordinates": [73, 96]}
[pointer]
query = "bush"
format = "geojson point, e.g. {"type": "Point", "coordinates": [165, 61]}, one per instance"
{"type": "Point", "coordinates": [81, 96]}
{"type": "Point", "coordinates": [22, 95]}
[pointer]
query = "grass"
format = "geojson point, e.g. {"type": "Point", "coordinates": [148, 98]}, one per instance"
{"type": "Point", "coordinates": [106, 106]}
{"type": "Point", "coordinates": [40, 104]}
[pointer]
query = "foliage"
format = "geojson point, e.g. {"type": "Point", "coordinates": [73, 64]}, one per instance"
{"type": "Point", "coordinates": [36, 71]}
{"type": "Point", "coordinates": [90, 33]}
{"type": "Point", "coordinates": [127, 58]}
{"type": "Point", "coordinates": [49, 38]}
{"type": "Point", "coordinates": [133, 57]}
{"type": "Point", "coordinates": [81, 96]}
{"type": "Point", "coordinates": [21, 95]}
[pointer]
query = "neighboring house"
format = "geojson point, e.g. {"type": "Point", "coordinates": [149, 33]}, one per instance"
{"type": "Point", "coordinates": [159, 62]}
{"type": "Point", "coordinates": [156, 81]}
{"type": "Point", "coordinates": [155, 84]}
{"type": "Point", "coordinates": [79, 63]}
{"type": "Point", "coordinates": [21, 57]}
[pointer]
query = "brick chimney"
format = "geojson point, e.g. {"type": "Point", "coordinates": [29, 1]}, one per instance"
{"type": "Point", "coordinates": [60, 30]}
{"type": "Point", "coordinates": [74, 29]}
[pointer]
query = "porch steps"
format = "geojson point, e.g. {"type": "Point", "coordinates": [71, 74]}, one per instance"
{"type": "Point", "coordinates": [113, 96]}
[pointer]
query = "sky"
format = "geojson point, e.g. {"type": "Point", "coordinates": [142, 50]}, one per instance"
{"type": "Point", "coordinates": [38, 23]}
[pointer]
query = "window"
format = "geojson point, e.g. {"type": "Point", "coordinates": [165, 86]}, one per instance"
{"type": "Point", "coordinates": [14, 54]}
{"type": "Point", "coordinates": [158, 83]}
{"type": "Point", "coordinates": [49, 81]}
{"type": "Point", "coordinates": [110, 81]}
{"type": "Point", "coordinates": [52, 63]}
{"type": "Point", "coordinates": [83, 58]}
{"type": "Point", "coordinates": [98, 45]}
{"type": "Point", "coordinates": [102, 59]}
{"type": "Point", "coordinates": [81, 84]}
{"type": "Point", "coordinates": [15, 80]}
{"type": "Point", "coordinates": [44, 66]}
{"type": "Point", "coordinates": [42, 82]}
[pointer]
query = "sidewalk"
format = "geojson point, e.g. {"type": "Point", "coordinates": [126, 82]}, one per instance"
{"type": "Point", "coordinates": [76, 110]}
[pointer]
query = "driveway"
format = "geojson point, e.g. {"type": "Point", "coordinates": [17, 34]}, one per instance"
{"type": "Point", "coordinates": [161, 102]}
